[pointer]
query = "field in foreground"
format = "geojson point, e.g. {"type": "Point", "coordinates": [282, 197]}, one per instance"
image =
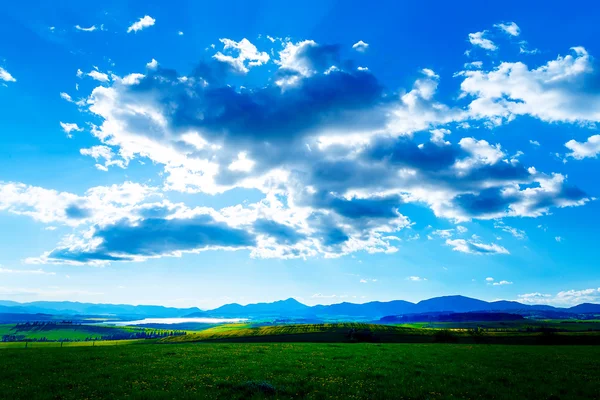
{"type": "Point", "coordinates": [302, 370]}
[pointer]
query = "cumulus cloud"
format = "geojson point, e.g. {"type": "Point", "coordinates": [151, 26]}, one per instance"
{"type": "Point", "coordinates": [153, 64]}
{"type": "Point", "coordinates": [335, 154]}
{"type": "Point", "coordinates": [502, 283]}
{"type": "Point", "coordinates": [247, 55]}
{"type": "Point", "coordinates": [553, 92]}
{"type": "Point", "coordinates": [534, 142]}
{"type": "Point", "coordinates": [6, 76]}
{"type": "Point", "coordinates": [580, 150]}
{"type": "Point", "coordinates": [360, 46]}
{"type": "Point", "coordinates": [142, 23]}
{"type": "Point", "coordinates": [510, 27]}
{"type": "Point", "coordinates": [475, 247]}
{"type": "Point", "coordinates": [477, 39]}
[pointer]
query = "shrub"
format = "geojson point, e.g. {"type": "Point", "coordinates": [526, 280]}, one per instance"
{"type": "Point", "coordinates": [263, 387]}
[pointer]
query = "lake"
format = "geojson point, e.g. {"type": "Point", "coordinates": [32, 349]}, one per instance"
{"type": "Point", "coordinates": [171, 321]}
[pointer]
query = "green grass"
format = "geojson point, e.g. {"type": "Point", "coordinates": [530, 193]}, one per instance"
{"type": "Point", "coordinates": [238, 331]}
{"type": "Point", "coordinates": [339, 332]}
{"type": "Point", "coordinates": [71, 332]}
{"type": "Point", "coordinates": [521, 325]}
{"type": "Point", "coordinates": [301, 370]}
{"type": "Point", "coordinates": [32, 345]}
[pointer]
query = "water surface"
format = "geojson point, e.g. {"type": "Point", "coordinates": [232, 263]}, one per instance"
{"type": "Point", "coordinates": [171, 321]}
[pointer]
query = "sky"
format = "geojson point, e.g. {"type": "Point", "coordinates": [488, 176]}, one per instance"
{"type": "Point", "coordinates": [196, 155]}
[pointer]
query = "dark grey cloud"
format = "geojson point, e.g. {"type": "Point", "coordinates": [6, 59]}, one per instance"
{"type": "Point", "coordinates": [283, 233]}
{"type": "Point", "coordinates": [155, 236]}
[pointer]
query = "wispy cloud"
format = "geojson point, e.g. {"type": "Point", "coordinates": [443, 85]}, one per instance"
{"type": "Point", "coordinates": [89, 29]}
{"type": "Point", "coordinates": [510, 27]}
{"type": "Point", "coordinates": [475, 247]}
{"type": "Point", "coordinates": [25, 271]}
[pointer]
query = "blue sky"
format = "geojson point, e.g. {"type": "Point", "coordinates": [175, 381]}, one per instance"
{"type": "Point", "coordinates": [193, 155]}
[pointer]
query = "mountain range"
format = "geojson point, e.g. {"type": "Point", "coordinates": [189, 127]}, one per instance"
{"type": "Point", "coordinates": [293, 309]}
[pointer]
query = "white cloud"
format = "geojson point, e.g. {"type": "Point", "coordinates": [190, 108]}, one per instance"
{"type": "Point", "coordinates": [558, 239]}
{"type": "Point", "coordinates": [41, 294]}
{"type": "Point", "coordinates": [475, 247]}
{"type": "Point", "coordinates": [415, 279]}
{"type": "Point", "coordinates": [511, 28]}
{"type": "Point", "coordinates": [437, 135]}
{"type": "Point", "coordinates": [552, 92]}
{"type": "Point", "coordinates": [567, 298]}
{"type": "Point", "coordinates": [248, 55]}
{"type": "Point", "coordinates": [327, 296]}
{"type": "Point", "coordinates": [90, 29]}
{"type": "Point", "coordinates": [360, 46]}
{"type": "Point", "coordinates": [444, 233]}
{"type": "Point", "coordinates": [180, 33]}
{"type": "Point", "coordinates": [517, 233]}
{"type": "Point", "coordinates": [142, 23]}
{"type": "Point", "coordinates": [489, 279]}
{"type": "Point", "coordinates": [502, 283]}
{"type": "Point", "coordinates": [100, 204]}
{"type": "Point", "coordinates": [103, 152]}
{"type": "Point", "coordinates": [581, 150]}
{"type": "Point", "coordinates": [25, 271]}
{"type": "Point", "coordinates": [367, 280]}
{"type": "Point", "coordinates": [534, 142]}
{"type": "Point", "coordinates": [524, 50]}
{"type": "Point", "coordinates": [152, 64]}
{"type": "Point", "coordinates": [328, 172]}
{"type": "Point", "coordinates": [70, 127]}
{"type": "Point", "coordinates": [98, 76]}
{"type": "Point", "coordinates": [477, 39]}
{"type": "Point", "coordinates": [6, 76]}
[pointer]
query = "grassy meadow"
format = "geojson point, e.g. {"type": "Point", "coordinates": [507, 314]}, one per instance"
{"type": "Point", "coordinates": [376, 333]}
{"type": "Point", "coordinates": [67, 332]}
{"type": "Point", "coordinates": [301, 371]}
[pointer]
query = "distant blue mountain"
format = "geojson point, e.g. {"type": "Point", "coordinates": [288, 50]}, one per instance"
{"type": "Point", "coordinates": [586, 308]}
{"type": "Point", "coordinates": [293, 309]}
{"type": "Point", "coordinates": [75, 308]}
{"type": "Point", "coordinates": [276, 309]}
